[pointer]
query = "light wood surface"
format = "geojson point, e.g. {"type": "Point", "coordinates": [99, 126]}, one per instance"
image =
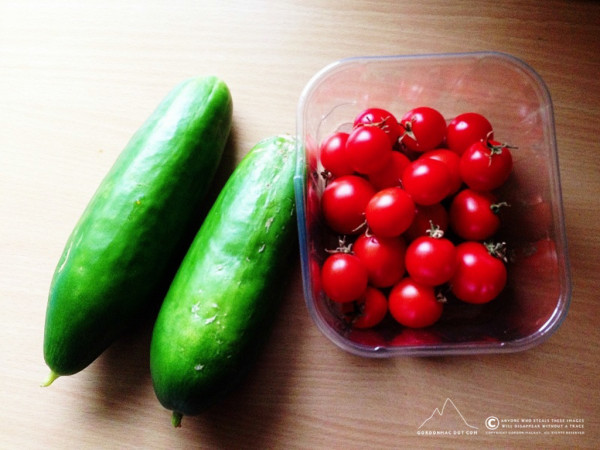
{"type": "Point", "coordinates": [78, 78]}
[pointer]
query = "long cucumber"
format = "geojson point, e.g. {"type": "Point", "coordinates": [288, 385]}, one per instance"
{"type": "Point", "coordinates": [119, 251]}
{"type": "Point", "coordinates": [216, 313]}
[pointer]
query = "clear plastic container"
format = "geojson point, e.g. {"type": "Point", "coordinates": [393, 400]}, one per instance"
{"type": "Point", "coordinates": [516, 101]}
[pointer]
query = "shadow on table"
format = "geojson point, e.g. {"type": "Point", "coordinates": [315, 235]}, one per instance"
{"type": "Point", "coordinates": [251, 412]}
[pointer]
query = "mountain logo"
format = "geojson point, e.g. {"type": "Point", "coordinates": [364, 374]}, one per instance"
{"type": "Point", "coordinates": [449, 418]}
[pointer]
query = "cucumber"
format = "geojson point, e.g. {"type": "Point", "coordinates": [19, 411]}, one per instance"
{"type": "Point", "coordinates": [221, 303]}
{"type": "Point", "coordinates": [119, 252]}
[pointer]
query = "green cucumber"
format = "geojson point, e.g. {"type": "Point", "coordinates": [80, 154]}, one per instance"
{"type": "Point", "coordinates": [120, 250]}
{"type": "Point", "coordinates": [223, 298]}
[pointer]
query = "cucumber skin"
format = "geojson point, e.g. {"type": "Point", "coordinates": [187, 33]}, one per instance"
{"type": "Point", "coordinates": [119, 251]}
{"type": "Point", "coordinates": [224, 296]}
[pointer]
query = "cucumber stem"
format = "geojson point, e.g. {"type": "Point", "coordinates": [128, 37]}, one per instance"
{"type": "Point", "coordinates": [51, 377]}
{"type": "Point", "coordinates": [176, 419]}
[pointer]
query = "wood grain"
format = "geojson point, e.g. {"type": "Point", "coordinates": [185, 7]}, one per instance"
{"type": "Point", "coordinates": [77, 79]}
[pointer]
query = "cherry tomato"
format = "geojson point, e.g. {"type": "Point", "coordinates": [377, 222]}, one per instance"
{"type": "Point", "coordinates": [427, 180]}
{"type": "Point", "coordinates": [425, 215]}
{"type": "Point", "coordinates": [390, 212]}
{"type": "Point", "coordinates": [415, 337]}
{"type": "Point", "coordinates": [381, 118]}
{"type": "Point", "coordinates": [382, 257]}
{"type": "Point", "coordinates": [367, 337]}
{"type": "Point", "coordinates": [315, 275]}
{"type": "Point", "coordinates": [485, 166]}
{"type": "Point", "coordinates": [368, 149]}
{"type": "Point", "coordinates": [536, 285]}
{"type": "Point", "coordinates": [424, 129]}
{"type": "Point", "coordinates": [414, 305]}
{"type": "Point", "coordinates": [431, 260]}
{"type": "Point", "coordinates": [344, 201]}
{"type": "Point", "coordinates": [343, 277]}
{"type": "Point", "coordinates": [474, 215]}
{"type": "Point", "coordinates": [333, 155]}
{"type": "Point", "coordinates": [466, 129]}
{"type": "Point", "coordinates": [371, 308]}
{"type": "Point", "coordinates": [391, 174]}
{"type": "Point", "coordinates": [479, 276]}
{"type": "Point", "coordinates": [313, 203]}
{"type": "Point", "coordinates": [452, 161]}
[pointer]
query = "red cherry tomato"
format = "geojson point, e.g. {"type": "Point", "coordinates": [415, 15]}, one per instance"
{"type": "Point", "coordinates": [390, 212]}
{"type": "Point", "coordinates": [474, 215]}
{"type": "Point", "coordinates": [415, 337]}
{"type": "Point", "coordinates": [371, 338]}
{"type": "Point", "coordinates": [452, 161]}
{"type": "Point", "coordinates": [382, 257]}
{"type": "Point", "coordinates": [414, 305]}
{"type": "Point", "coordinates": [368, 149]}
{"type": "Point", "coordinates": [315, 275]}
{"type": "Point", "coordinates": [391, 174]}
{"type": "Point", "coordinates": [313, 203]}
{"type": "Point", "coordinates": [333, 155]}
{"type": "Point", "coordinates": [425, 215]}
{"type": "Point", "coordinates": [344, 201]}
{"type": "Point", "coordinates": [535, 284]}
{"type": "Point", "coordinates": [427, 180]}
{"type": "Point", "coordinates": [466, 129]}
{"type": "Point", "coordinates": [371, 309]}
{"type": "Point", "coordinates": [479, 276]}
{"type": "Point", "coordinates": [431, 260]}
{"type": "Point", "coordinates": [381, 118]}
{"type": "Point", "coordinates": [424, 129]}
{"type": "Point", "coordinates": [485, 166]}
{"type": "Point", "coordinates": [343, 277]}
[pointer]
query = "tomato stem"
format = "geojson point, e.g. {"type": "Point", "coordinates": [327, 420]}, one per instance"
{"type": "Point", "coordinates": [441, 298]}
{"type": "Point", "coordinates": [496, 149]}
{"type": "Point", "coordinates": [359, 227]}
{"type": "Point", "coordinates": [342, 246]}
{"type": "Point", "coordinates": [327, 176]}
{"type": "Point", "coordinates": [407, 131]}
{"type": "Point", "coordinates": [435, 231]}
{"type": "Point", "coordinates": [497, 249]}
{"type": "Point", "coordinates": [496, 207]}
{"type": "Point", "coordinates": [383, 123]}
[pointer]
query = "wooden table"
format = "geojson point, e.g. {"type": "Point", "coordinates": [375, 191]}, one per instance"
{"type": "Point", "coordinates": [78, 78]}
